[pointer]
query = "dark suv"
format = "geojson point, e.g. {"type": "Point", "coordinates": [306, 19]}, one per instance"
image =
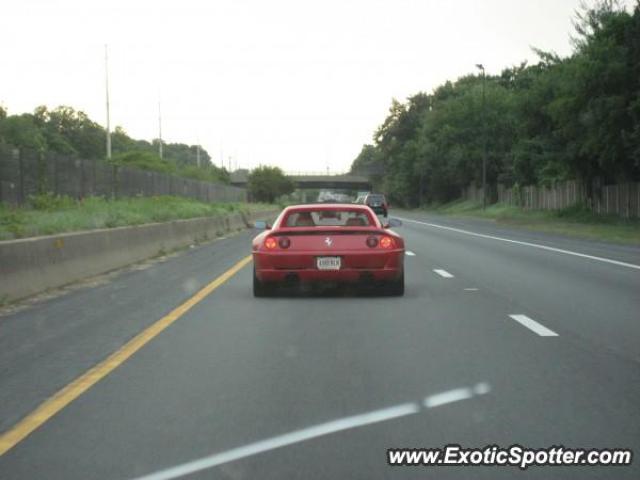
{"type": "Point", "coordinates": [377, 203]}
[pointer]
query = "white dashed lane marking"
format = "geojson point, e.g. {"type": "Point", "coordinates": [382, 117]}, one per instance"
{"type": "Point", "coordinates": [410, 253]}
{"type": "Point", "coordinates": [456, 395]}
{"type": "Point", "coordinates": [443, 273]}
{"type": "Point", "coordinates": [534, 326]}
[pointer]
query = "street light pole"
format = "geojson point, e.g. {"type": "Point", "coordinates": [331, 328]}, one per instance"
{"type": "Point", "coordinates": [484, 147]}
{"type": "Point", "coordinates": [106, 84]}
{"type": "Point", "coordinates": [160, 153]}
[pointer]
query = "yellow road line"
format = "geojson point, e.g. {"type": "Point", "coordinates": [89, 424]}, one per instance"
{"type": "Point", "coordinates": [68, 394]}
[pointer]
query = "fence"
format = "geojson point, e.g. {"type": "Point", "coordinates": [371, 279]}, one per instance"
{"type": "Point", "coordinates": [25, 172]}
{"type": "Point", "coordinates": [621, 199]}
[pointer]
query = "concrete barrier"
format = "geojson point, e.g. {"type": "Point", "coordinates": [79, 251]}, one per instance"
{"type": "Point", "coordinates": [33, 265]}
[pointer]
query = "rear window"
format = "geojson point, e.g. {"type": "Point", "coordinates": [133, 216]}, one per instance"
{"type": "Point", "coordinates": [328, 218]}
{"type": "Point", "coordinates": [375, 198]}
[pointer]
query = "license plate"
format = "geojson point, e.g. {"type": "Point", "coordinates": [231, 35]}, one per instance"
{"type": "Point", "coordinates": [328, 263]}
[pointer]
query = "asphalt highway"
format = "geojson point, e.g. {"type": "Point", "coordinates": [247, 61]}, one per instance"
{"type": "Point", "coordinates": [504, 337]}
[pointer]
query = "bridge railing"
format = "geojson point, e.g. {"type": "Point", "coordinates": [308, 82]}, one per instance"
{"type": "Point", "coordinates": [315, 173]}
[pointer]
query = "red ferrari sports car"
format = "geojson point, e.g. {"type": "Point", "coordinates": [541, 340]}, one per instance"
{"type": "Point", "coordinates": [328, 243]}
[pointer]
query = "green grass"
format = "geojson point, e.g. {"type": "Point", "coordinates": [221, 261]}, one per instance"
{"type": "Point", "coordinates": [576, 221]}
{"type": "Point", "coordinates": [48, 215]}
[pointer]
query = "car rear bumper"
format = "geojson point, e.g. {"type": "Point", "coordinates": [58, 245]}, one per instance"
{"type": "Point", "coordinates": [325, 276]}
{"type": "Point", "coordinates": [356, 268]}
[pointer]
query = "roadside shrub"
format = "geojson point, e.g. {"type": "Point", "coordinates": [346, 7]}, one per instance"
{"type": "Point", "coordinates": [11, 221]}
{"type": "Point", "coordinates": [49, 202]}
{"type": "Point", "coordinates": [579, 213]}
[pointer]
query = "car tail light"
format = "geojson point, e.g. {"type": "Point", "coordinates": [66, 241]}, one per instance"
{"type": "Point", "coordinates": [284, 242]}
{"type": "Point", "coordinates": [386, 242]}
{"type": "Point", "coordinates": [372, 241]}
{"type": "Point", "coordinates": [270, 243]}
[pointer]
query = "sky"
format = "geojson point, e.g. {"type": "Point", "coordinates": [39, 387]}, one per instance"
{"type": "Point", "coordinates": [293, 83]}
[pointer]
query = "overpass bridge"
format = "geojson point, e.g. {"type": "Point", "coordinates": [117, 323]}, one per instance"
{"type": "Point", "coordinates": [343, 182]}
{"type": "Point", "coordinates": [316, 181]}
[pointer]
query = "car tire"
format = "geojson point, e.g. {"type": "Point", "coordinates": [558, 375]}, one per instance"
{"type": "Point", "coordinates": [260, 289]}
{"type": "Point", "coordinates": [395, 288]}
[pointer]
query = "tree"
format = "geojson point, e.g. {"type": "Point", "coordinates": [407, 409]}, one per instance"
{"type": "Point", "coordinates": [67, 131]}
{"type": "Point", "coordinates": [80, 132]}
{"type": "Point", "coordinates": [266, 184]}
{"type": "Point", "coordinates": [367, 160]}
{"type": "Point", "coordinates": [22, 131]}
{"type": "Point", "coordinates": [121, 142]}
{"type": "Point", "coordinates": [55, 139]}
{"type": "Point", "coordinates": [144, 161]}
{"type": "Point", "coordinates": [562, 118]}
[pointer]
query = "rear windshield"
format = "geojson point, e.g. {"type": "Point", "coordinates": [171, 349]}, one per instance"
{"type": "Point", "coordinates": [328, 218]}
{"type": "Point", "coordinates": [375, 198]}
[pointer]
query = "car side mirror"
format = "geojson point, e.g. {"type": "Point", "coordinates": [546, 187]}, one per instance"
{"type": "Point", "coordinates": [393, 222]}
{"type": "Point", "coordinates": [261, 225]}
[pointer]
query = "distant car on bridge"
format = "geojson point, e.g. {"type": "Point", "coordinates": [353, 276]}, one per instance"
{"type": "Point", "coordinates": [328, 243]}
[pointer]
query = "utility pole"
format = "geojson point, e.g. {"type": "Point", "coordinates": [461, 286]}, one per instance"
{"type": "Point", "coordinates": [160, 129]}
{"type": "Point", "coordinates": [106, 83]}
{"type": "Point", "coordinates": [484, 147]}
{"type": "Point", "coordinates": [198, 154]}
